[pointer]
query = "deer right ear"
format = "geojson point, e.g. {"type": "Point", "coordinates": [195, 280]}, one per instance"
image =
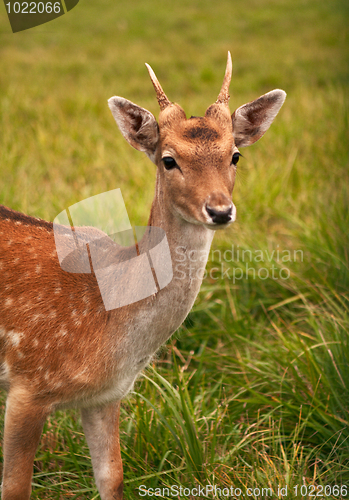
{"type": "Point", "coordinates": [136, 124]}
{"type": "Point", "coordinates": [253, 119]}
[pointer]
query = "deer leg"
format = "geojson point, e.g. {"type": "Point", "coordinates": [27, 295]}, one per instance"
{"type": "Point", "coordinates": [24, 421]}
{"type": "Point", "coordinates": [101, 427]}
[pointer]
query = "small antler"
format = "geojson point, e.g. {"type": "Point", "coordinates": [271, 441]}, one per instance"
{"type": "Point", "coordinates": [160, 94]}
{"type": "Point", "coordinates": [224, 96]}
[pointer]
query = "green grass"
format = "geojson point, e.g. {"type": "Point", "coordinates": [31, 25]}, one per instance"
{"type": "Point", "coordinates": [253, 391]}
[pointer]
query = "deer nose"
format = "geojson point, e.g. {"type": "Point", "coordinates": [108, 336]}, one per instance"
{"type": "Point", "coordinates": [221, 214]}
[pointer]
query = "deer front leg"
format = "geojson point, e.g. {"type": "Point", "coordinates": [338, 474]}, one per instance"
{"type": "Point", "coordinates": [24, 421]}
{"type": "Point", "coordinates": [101, 427]}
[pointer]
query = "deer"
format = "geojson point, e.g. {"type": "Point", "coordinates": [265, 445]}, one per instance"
{"type": "Point", "coordinates": [59, 347]}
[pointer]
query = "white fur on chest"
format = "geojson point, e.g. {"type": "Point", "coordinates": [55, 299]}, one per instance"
{"type": "Point", "coordinates": [158, 317]}
{"type": "Point", "coordinates": [162, 314]}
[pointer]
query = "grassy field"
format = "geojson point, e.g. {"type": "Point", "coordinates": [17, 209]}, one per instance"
{"type": "Point", "coordinates": [253, 390]}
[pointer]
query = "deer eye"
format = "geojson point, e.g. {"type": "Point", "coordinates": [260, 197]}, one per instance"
{"type": "Point", "coordinates": [169, 162]}
{"type": "Point", "coordinates": [235, 158]}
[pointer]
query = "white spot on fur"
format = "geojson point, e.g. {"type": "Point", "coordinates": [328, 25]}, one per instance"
{"type": "Point", "coordinates": [8, 301]}
{"type": "Point", "coordinates": [81, 376]}
{"type": "Point", "coordinates": [38, 269]}
{"type": "Point", "coordinates": [14, 337]}
{"type": "Point", "coordinates": [62, 332]}
{"type": "Point", "coordinates": [35, 318]}
{"type": "Point", "coordinates": [27, 306]}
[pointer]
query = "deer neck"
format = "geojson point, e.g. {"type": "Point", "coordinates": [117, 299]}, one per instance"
{"type": "Point", "coordinates": [158, 316]}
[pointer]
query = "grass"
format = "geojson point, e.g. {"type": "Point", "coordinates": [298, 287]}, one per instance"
{"type": "Point", "coordinates": [252, 392]}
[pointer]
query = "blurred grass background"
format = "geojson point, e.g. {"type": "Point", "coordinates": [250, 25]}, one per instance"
{"type": "Point", "coordinates": [253, 391]}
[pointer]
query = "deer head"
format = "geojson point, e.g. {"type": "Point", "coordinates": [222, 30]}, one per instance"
{"type": "Point", "coordinates": [197, 157]}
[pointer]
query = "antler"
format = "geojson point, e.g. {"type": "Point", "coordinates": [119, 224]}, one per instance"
{"type": "Point", "coordinates": [160, 94]}
{"type": "Point", "coordinates": [224, 96]}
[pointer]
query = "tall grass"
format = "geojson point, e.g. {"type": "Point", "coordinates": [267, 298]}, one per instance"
{"type": "Point", "coordinates": [253, 390]}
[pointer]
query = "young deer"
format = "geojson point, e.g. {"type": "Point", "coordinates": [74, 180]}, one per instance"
{"type": "Point", "coordinates": [59, 347]}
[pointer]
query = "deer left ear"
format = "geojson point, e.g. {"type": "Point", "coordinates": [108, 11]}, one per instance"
{"type": "Point", "coordinates": [252, 120]}
{"type": "Point", "coordinates": [136, 124]}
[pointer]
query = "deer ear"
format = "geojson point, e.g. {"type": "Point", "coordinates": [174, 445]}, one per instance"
{"type": "Point", "coordinates": [252, 120]}
{"type": "Point", "coordinates": [136, 124]}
